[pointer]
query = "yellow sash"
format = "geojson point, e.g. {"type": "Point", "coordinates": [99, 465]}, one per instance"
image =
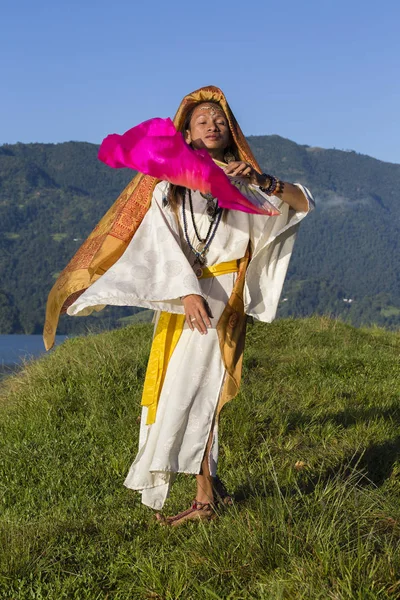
{"type": "Point", "coordinates": [166, 337]}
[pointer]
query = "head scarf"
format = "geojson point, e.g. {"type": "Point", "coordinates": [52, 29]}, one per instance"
{"type": "Point", "coordinates": [109, 239]}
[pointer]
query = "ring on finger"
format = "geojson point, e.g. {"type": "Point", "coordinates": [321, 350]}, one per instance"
{"type": "Point", "coordinates": [192, 320]}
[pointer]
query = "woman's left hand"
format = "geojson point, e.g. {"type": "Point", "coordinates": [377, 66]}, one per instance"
{"type": "Point", "coordinates": [239, 168]}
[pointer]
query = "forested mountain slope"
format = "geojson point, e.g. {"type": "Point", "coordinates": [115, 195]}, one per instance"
{"type": "Point", "coordinates": [52, 195]}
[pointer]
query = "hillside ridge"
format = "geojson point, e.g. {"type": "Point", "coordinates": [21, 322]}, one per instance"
{"type": "Point", "coordinates": [52, 195]}
{"type": "Point", "coordinates": [310, 449]}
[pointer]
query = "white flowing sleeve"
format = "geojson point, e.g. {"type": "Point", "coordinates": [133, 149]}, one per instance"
{"type": "Point", "coordinates": [272, 240]}
{"type": "Point", "coordinates": [152, 273]}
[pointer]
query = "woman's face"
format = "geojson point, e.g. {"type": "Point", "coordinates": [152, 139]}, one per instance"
{"type": "Point", "coordinates": [209, 129]}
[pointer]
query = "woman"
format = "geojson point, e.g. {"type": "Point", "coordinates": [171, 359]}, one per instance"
{"type": "Point", "coordinates": [202, 269]}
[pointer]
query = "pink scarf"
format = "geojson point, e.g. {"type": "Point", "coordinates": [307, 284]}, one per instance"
{"type": "Point", "coordinates": [156, 148]}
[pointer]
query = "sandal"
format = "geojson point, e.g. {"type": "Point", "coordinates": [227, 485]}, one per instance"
{"type": "Point", "coordinates": [203, 511]}
{"type": "Point", "coordinates": [221, 494]}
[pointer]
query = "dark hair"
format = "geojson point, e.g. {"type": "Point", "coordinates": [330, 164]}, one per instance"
{"type": "Point", "coordinates": [186, 123]}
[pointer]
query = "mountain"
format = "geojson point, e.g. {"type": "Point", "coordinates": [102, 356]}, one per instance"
{"type": "Point", "coordinates": [52, 195]}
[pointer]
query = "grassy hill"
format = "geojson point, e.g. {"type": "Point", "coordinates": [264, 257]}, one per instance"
{"type": "Point", "coordinates": [310, 447]}
{"type": "Point", "coordinates": [52, 195]}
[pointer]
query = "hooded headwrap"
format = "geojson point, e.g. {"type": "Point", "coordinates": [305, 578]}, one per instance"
{"type": "Point", "coordinates": [109, 239]}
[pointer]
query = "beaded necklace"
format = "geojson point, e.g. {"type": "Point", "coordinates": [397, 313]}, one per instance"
{"type": "Point", "coordinates": [204, 243]}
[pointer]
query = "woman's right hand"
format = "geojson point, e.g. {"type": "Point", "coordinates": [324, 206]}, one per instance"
{"type": "Point", "coordinates": [197, 313]}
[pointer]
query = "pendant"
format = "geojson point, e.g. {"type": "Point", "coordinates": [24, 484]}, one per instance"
{"type": "Point", "coordinates": [198, 272]}
{"type": "Point", "coordinates": [201, 260]}
{"type": "Point", "coordinates": [211, 212]}
{"type": "Point", "coordinates": [200, 247]}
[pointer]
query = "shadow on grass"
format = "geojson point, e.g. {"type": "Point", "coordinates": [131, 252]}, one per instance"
{"type": "Point", "coordinates": [347, 417]}
{"type": "Point", "coordinates": [373, 465]}
{"type": "Point", "coordinates": [378, 460]}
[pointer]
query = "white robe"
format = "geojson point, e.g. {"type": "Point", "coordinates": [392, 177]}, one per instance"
{"type": "Point", "coordinates": [155, 270]}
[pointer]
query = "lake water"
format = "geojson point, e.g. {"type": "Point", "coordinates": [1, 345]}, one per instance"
{"type": "Point", "coordinates": [15, 348]}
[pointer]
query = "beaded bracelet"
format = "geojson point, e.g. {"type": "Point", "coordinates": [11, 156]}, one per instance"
{"type": "Point", "coordinates": [272, 186]}
{"type": "Point", "coordinates": [275, 187]}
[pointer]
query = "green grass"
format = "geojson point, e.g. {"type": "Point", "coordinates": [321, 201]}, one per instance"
{"type": "Point", "coordinates": [310, 447]}
{"type": "Point", "coordinates": [143, 316]}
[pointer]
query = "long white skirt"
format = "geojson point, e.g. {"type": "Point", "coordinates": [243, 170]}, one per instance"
{"type": "Point", "coordinates": [176, 441]}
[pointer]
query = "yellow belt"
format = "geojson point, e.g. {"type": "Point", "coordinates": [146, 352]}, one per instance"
{"type": "Point", "coordinates": [231, 266]}
{"type": "Point", "coordinates": [166, 337]}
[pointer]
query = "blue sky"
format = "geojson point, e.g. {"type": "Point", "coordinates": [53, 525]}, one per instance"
{"type": "Point", "coordinates": [323, 73]}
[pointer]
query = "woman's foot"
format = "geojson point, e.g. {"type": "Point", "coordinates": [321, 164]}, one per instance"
{"type": "Point", "coordinates": [203, 511]}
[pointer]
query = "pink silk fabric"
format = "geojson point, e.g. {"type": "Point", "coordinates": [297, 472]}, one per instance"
{"type": "Point", "coordinates": [156, 148]}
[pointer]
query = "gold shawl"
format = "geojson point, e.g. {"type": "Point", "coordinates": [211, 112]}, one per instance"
{"type": "Point", "coordinates": [109, 239]}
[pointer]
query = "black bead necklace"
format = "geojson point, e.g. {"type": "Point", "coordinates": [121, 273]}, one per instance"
{"type": "Point", "coordinates": [211, 217]}
{"type": "Point", "coordinates": [204, 243]}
